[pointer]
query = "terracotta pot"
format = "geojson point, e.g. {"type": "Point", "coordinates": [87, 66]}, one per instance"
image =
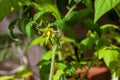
{"type": "Point", "coordinates": [95, 73]}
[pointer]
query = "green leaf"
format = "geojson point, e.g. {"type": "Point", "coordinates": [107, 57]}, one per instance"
{"type": "Point", "coordinates": [25, 2]}
{"type": "Point", "coordinates": [108, 27]}
{"type": "Point", "coordinates": [60, 23]}
{"type": "Point", "coordinates": [38, 15]}
{"type": "Point", "coordinates": [61, 65]}
{"type": "Point", "coordinates": [44, 72]}
{"type": "Point", "coordinates": [7, 77]}
{"type": "Point", "coordinates": [10, 30]}
{"type": "Point", "coordinates": [58, 75]}
{"type": "Point", "coordinates": [69, 40]}
{"type": "Point", "coordinates": [75, 16]}
{"type": "Point", "coordinates": [21, 24]}
{"type": "Point", "coordinates": [109, 55]}
{"type": "Point", "coordinates": [49, 6]}
{"type": "Point", "coordinates": [93, 27]}
{"type": "Point", "coordinates": [15, 4]}
{"type": "Point", "coordinates": [116, 36]}
{"type": "Point", "coordinates": [47, 55]}
{"type": "Point", "coordinates": [43, 62]}
{"type": "Point", "coordinates": [103, 6]}
{"type": "Point", "coordinates": [40, 40]}
{"type": "Point", "coordinates": [70, 69]}
{"type": "Point", "coordinates": [69, 1]}
{"type": "Point", "coordinates": [24, 73]}
{"type": "Point", "coordinates": [65, 67]}
{"type": "Point", "coordinates": [29, 28]}
{"type": "Point", "coordinates": [65, 28]}
{"type": "Point", "coordinates": [86, 43]}
{"type": "Point", "coordinates": [44, 69]}
{"type": "Point", "coordinates": [87, 3]}
{"type": "Point", "coordinates": [5, 8]}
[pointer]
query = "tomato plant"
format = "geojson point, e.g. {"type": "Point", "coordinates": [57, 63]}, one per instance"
{"type": "Point", "coordinates": [52, 24]}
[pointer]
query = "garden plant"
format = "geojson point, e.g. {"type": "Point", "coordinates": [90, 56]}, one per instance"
{"type": "Point", "coordinates": [50, 23]}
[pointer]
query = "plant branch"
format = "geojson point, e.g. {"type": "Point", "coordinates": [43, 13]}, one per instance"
{"type": "Point", "coordinates": [52, 62]}
{"type": "Point", "coordinates": [71, 9]}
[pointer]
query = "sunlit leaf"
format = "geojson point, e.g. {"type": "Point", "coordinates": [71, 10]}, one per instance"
{"type": "Point", "coordinates": [108, 27]}
{"type": "Point", "coordinates": [47, 55]}
{"type": "Point", "coordinates": [7, 77]}
{"type": "Point", "coordinates": [49, 6]}
{"type": "Point", "coordinates": [69, 40]}
{"type": "Point", "coordinates": [61, 65]}
{"type": "Point", "coordinates": [70, 70]}
{"type": "Point", "coordinates": [24, 73]}
{"type": "Point", "coordinates": [109, 55]}
{"type": "Point", "coordinates": [29, 28]}
{"type": "Point", "coordinates": [37, 41]}
{"type": "Point", "coordinates": [69, 1]}
{"type": "Point", "coordinates": [43, 62]}
{"type": "Point", "coordinates": [38, 15]}
{"type": "Point", "coordinates": [86, 43]}
{"type": "Point", "coordinates": [103, 6]}
{"type": "Point", "coordinates": [58, 74]}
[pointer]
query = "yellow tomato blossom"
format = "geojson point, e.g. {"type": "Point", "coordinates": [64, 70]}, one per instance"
{"type": "Point", "coordinates": [48, 33]}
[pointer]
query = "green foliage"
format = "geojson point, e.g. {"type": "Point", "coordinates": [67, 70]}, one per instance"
{"type": "Point", "coordinates": [58, 75]}
{"type": "Point", "coordinates": [10, 30]}
{"type": "Point", "coordinates": [44, 69]}
{"type": "Point", "coordinates": [88, 3]}
{"type": "Point", "coordinates": [110, 56]}
{"type": "Point", "coordinates": [20, 73]}
{"type": "Point", "coordinates": [40, 40]}
{"type": "Point", "coordinates": [74, 17]}
{"type": "Point", "coordinates": [7, 77]}
{"type": "Point", "coordinates": [29, 28]}
{"type": "Point", "coordinates": [103, 6]}
{"type": "Point", "coordinates": [48, 6]}
{"type": "Point", "coordinates": [38, 15]}
{"type": "Point", "coordinates": [108, 27]}
{"type": "Point", "coordinates": [47, 55]}
{"type": "Point", "coordinates": [24, 73]}
{"type": "Point", "coordinates": [21, 25]}
{"type": "Point", "coordinates": [65, 54]}
{"type": "Point", "coordinates": [86, 44]}
{"type": "Point", "coordinates": [93, 27]}
{"type": "Point", "coordinates": [8, 6]}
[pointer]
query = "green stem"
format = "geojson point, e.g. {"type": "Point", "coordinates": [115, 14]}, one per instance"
{"type": "Point", "coordinates": [52, 62]}
{"type": "Point", "coordinates": [21, 12]}
{"type": "Point", "coordinates": [59, 55]}
{"type": "Point", "coordinates": [71, 9]}
{"type": "Point", "coordinates": [117, 11]}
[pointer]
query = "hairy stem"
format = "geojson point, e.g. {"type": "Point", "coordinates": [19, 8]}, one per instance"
{"type": "Point", "coordinates": [52, 62]}
{"type": "Point", "coordinates": [71, 9]}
